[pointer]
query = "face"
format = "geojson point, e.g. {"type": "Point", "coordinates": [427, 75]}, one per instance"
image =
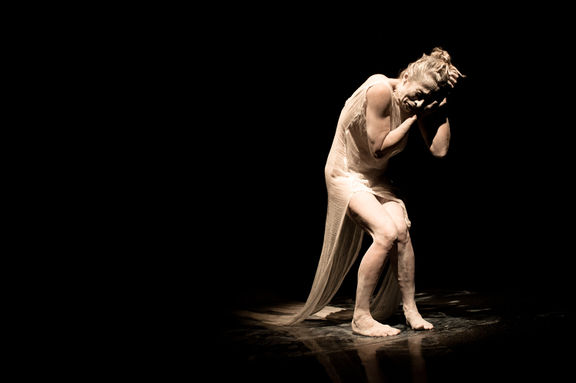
{"type": "Point", "coordinates": [415, 95]}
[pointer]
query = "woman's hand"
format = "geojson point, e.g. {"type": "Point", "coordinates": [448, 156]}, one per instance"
{"type": "Point", "coordinates": [432, 107]}
{"type": "Point", "coordinates": [407, 123]}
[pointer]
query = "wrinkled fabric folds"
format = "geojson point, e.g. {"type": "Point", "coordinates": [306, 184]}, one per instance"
{"type": "Point", "coordinates": [351, 168]}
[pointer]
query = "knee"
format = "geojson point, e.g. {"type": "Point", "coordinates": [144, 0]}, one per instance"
{"type": "Point", "coordinates": [402, 233]}
{"type": "Point", "coordinates": [385, 235]}
{"type": "Point", "coordinates": [400, 222]}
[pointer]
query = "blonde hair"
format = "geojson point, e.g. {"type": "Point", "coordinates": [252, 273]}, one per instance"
{"type": "Point", "coordinates": [437, 67]}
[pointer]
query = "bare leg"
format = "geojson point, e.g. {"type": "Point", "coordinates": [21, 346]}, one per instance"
{"type": "Point", "coordinates": [404, 267]}
{"type": "Point", "coordinates": [368, 274]}
{"type": "Point", "coordinates": [368, 212]}
{"type": "Point", "coordinates": [407, 286]}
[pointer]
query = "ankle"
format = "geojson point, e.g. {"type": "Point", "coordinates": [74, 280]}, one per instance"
{"type": "Point", "coordinates": [360, 315]}
{"type": "Point", "coordinates": [410, 309]}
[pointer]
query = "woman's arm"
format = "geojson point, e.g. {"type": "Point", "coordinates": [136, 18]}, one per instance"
{"type": "Point", "coordinates": [435, 128]}
{"type": "Point", "coordinates": [380, 135]}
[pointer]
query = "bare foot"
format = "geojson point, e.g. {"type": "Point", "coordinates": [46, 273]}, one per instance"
{"type": "Point", "coordinates": [415, 320]}
{"type": "Point", "coordinates": [368, 326]}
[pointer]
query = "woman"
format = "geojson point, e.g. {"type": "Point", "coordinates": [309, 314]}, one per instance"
{"type": "Point", "coordinates": [373, 126]}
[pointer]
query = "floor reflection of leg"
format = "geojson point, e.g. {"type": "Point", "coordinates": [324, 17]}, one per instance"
{"type": "Point", "coordinates": [369, 359]}
{"type": "Point", "coordinates": [416, 360]}
{"type": "Point", "coordinates": [341, 366]}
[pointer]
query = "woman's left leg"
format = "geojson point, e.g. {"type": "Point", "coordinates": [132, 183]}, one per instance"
{"type": "Point", "coordinates": [406, 267]}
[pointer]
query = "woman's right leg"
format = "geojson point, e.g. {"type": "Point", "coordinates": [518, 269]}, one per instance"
{"type": "Point", "coordinates": [372, 216]}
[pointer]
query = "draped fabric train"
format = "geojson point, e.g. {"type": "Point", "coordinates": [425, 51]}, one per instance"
{"type": "Point", "coordinates": [350, 168]}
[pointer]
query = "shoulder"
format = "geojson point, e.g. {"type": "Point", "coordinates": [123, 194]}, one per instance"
{"type": "Point", "coordinates": [379, 96]}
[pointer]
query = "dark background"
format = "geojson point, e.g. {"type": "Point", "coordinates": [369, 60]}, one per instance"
{"type": "Point", "coordinates": [212, 194]}
{"type": "Point", "coordinates": [495, 214]}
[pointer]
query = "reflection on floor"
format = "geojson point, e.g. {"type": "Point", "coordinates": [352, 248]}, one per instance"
{"type": "Point", "coordinates": [476, 338]}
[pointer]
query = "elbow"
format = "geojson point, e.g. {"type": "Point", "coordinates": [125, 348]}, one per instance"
{"type": "Point", "coordinates": [439, 149]}
{"type": "Point", "coordinates": [439, 152]}
{"type": "Point", "coordinates": [379, 153]}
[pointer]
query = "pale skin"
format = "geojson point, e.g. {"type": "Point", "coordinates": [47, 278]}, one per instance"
{"type": "Point", "coordinates": [384, 220]}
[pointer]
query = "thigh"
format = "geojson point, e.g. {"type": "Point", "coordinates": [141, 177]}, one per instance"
{"type": "Point", "coordinates": [397, 214]}
{"type": "Point", "coordinates": [370, 213]}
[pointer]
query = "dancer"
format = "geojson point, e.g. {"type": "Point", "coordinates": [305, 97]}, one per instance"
{"type": "Point", "coordinates": [373, 127]}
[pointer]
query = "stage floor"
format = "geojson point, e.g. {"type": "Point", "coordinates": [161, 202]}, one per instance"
{"type": "Point", "coordinates": [477, 337]}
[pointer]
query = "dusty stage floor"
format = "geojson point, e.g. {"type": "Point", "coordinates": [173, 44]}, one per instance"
{"type": "Point", "coordinates": [478, 337]}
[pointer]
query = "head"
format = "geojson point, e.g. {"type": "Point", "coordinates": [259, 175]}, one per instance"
{"type": "Point", "coordinates": [428, 79]}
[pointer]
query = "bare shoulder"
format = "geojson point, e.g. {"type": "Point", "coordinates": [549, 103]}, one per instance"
{"type": "Point", "coordinates": [379, 97]}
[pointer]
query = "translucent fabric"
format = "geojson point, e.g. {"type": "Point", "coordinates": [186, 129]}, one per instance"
{"type": "Point", "coordinates": [350, 168]}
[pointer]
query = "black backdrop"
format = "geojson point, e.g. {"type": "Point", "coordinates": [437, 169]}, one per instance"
{"type": "Point", "coordinates": [495, 214]}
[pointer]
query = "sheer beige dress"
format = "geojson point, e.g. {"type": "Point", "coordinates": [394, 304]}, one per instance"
{"type": "Point", "coordinates": [351, 168]}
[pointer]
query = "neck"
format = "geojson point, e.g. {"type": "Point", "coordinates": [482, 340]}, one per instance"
{"type": "Point", "coordinates": [404, 114]}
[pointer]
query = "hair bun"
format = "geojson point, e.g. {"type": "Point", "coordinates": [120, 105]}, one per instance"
{"type": "Point", "coordinates": [440, 53]}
